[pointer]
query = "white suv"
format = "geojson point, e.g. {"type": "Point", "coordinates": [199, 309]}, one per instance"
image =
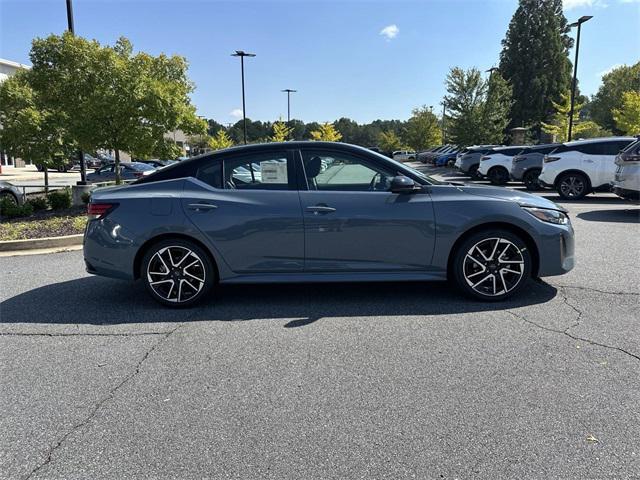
{"type": "Point", "coordinates": [496, 164]}
{"type": "Point", "coordinates": [404, 156]}
{"type": "Point", "coordinates": [577, 168]}
{"type": "Point", "coordinates": [626, 183]}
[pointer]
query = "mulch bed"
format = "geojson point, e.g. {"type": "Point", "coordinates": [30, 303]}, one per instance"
{"type": "Point", "coordinates": [42, 224]}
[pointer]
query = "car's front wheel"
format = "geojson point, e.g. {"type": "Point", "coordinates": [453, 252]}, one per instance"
{"type": "Point", "coordinates": [491, 265]}
{"type": "Point", "coordinates": [177, 273]}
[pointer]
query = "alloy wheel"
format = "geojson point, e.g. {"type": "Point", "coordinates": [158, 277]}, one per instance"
{"type": "Point", "coordinates": [176, 273]}
{"type": "Point", "coordinates": [493, 266]}
{"type": "Point", "coordinates": [572, 187]}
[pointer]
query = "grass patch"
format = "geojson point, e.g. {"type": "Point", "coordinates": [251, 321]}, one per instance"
{"type": "Point", "coordinates": [47, 224]}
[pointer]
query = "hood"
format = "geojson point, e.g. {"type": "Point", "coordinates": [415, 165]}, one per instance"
{"type": "Point", "coordinates": [501, 193]}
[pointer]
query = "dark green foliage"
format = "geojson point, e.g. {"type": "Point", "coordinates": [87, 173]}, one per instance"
{"type": "Point", "coordinates": [86, 197]}
{"type": "Point", "coordinates": [60, 199]}
{"type": "Point", "coordinates": [38, 203]}
{"type": "Point", "coordinates": [9, 209]}
{"type": "Point", "coordinates": [609, 96]}
{"type": "Point", "coordinates": [534, 60]}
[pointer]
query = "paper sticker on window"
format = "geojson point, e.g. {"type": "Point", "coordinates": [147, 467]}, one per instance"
{"type": "Point", "coordinates": [273, 172]}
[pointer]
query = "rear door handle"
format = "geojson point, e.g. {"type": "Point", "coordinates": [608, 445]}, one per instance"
{"type": "Point", "coordinates": [202, 206]}
{"type": "Point", "coordinates": [317, 209]}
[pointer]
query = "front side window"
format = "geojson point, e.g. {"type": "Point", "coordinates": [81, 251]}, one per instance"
{"type": "Point", "coordinates": [335, 171]}
{"type": "Point", "coordinates": [260, 171]}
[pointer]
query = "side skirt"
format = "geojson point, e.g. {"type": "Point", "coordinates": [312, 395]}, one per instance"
{"type": "Point", "coordinates": [336, 277]}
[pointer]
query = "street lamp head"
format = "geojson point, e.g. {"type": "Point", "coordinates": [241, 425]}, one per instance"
{"type": "Point", "coordinates": [241, 53]}
{"type": "Point", "coordinates": [581, 20]}
{"type": "Point", "coordinates": [288, 90]}
{"type": "Point", "coordinates": [492, 69]}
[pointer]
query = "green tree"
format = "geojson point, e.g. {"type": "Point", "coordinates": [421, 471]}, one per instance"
{"type": "Point", "coordinates": [281, 132]}
{"type": "Point", "coordinates": [423, 129]}
{"type": "Point", "coordinates": [627, 117]}
{"type": "Point", "coordinates": [114, 99]}
{"type": "Point", "coordinates": [609, 96]}
{"type": "Point", "coordinates": [326, 132]}
{"type": "Point", "coordinates": [220, 140]}
{"type": "Point", "coordinates": [388, 141]}
{"type": "Point", "coordinates": [559, 125]}
{"type": "Point", "coordinates": [465, 99]}
{"type": "Point", "coordinates": [30, 129]}
{"type": "Point", "coordinates": [534, 60]}
{"type": "Point", "coordinates": [495, 109]}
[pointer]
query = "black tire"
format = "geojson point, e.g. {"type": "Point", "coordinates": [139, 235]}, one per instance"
{"type": "Point", "coordinates": [530, 179]}
{"type": "Point", "coordinates": [509, 247]}
{"type": "Point", "coordinates": [451, 163]}
{"type": "Point", "coordinates": [498, 176]}
{"type": "Point", "coordinates": [473, 172]}
{"type": "Point", "coordinates": [40, 168]}
{"type": "Point", "coordinates": [9, 196]}
{"type": "Point", "coordinates": [173, 254]}
{"type": "Point", "coordinates": [573, 186]}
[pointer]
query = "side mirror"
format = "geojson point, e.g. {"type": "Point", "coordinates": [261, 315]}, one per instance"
{"type": "Point", "coordinates": [402, 184]}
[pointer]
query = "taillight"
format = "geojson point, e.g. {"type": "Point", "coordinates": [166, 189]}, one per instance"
{"type": "Point", "coordinates": [630, 158]}
{"type": "Point", "coordinates": [99, 210]}
{"type": "Point", "coordinates": [138, 174]}
{"type": "Point", "coordinates": [548, 159]}
{"type": "Point", "coordinates": [485, 157]}
{"type": "Point", "coordinates": [517, 159]}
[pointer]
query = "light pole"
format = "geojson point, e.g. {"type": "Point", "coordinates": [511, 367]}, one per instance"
{"type": "Point", "coordinates": [578, 24]}
{"type": "Point", "coordinates": [444, 130]}
{"type": "Point", "coordinates": [289, 92]}
{"type": "Point", "coordinates": [241, 54]}
{"type": "Point", "coordinates": [83, 166]}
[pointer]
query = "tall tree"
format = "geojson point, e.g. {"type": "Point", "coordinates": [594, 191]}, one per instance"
{"type": "Point", "coordinates": [466, 92]}
{"type": "Point", "coordinates": [423, 130]}
{"type": "Point", "coordinates": [609, 96]}
{"type": "Point", "coordinates": [114, 99]}
{"type": "Point", "coordinates": [495, 109]}
{"type": "Point", "coordinates": [627, 117]}
{"type": "Point", "coordinates": [534, 60]}
{"type": "Point", "coordinates": [30, 128]}
{"type": "Point", "coordinates": [326, 132]}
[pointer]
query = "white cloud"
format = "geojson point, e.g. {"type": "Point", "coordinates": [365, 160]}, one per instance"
{"type": "Point", "coordinates": [236, 113]}
{"type": "Point", "coordinates": [390, 31]}
{"type": "Point", "coordinates": [571, 4]}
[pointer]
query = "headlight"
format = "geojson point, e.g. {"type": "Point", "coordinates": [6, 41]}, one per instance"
{"type": "Point", "coordinates": [550, 216]}
{"type": "Point", "coordinates": [548, 159]}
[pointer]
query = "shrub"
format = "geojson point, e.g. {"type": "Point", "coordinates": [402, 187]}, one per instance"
{"type": "Point", "coordinates": [60, 199]}
{"type": "Point", "coordinates": [10, 210]}
{"type": "Point", "coordinates": [86, 197]}
{"type": "Point", "coordinates": [38, 203]}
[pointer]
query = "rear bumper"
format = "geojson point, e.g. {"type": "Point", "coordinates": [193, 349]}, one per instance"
{"type": "Point", "coordinates": [625, 193]}
{"type": "Point", "coordinates": [109, 250]}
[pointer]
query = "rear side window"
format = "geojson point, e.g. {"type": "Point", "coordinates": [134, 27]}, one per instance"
{"type": "Point", "coordinates": [260, 171]}
{"type": "Point", "coordinates": [211, 173]}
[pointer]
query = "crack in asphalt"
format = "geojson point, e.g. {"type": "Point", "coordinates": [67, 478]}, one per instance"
{"type": "Point", "coordinates": [590, 289]}
{"type": "Point", "coordinates": [565, 300]}
{"type": "Point", "coordinates": [131, 334]}
{"type": "Point", "coordinates": [574, 337]}
{"type": "Point", "coordinates": [98, 406]}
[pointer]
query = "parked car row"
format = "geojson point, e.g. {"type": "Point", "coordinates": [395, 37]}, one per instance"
{"type": "Point", "coordinates": [574, 169]}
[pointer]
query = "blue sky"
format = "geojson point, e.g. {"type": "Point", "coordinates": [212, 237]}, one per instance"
{"type": "Point", "coordinates": [358, 59]}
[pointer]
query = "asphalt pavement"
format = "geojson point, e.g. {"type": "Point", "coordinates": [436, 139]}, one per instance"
{"type": "Point", "coordinates": [366, 381]}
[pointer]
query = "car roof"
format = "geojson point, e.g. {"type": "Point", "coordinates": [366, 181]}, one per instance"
{"type": "Point", "coordinates": [598, 140]}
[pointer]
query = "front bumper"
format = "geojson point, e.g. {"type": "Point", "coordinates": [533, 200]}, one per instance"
{"type": "Point", "coordinates": [557, 251]}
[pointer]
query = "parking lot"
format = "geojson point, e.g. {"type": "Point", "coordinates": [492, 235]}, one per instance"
{"type": "Point", "coordinates": [328, 381]}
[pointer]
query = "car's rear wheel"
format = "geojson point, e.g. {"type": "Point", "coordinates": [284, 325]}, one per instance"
{"type": "Point", "coordinates": [498, 176]}
{"type": "Point", "coordinates": [8, 197]}
{"type": "Point", "coordinates": [573, 186]}
{"type": "Point", "coordinates": [491, 265]}
{"type": "Point", "coordinates": [473, 172]}
{"type": "Point", "coordinates": [177, 272]}
{"type": "Point", "coordinates": [530, 179]}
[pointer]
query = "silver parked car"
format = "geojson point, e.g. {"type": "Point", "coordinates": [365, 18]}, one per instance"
{"type": "Point", "coordinates": [626, 183]}
{"type": "Point", "coordinates": [365, 217]}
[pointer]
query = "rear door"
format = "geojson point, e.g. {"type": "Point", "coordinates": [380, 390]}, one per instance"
{"type": "Point", "coordinates": [248, 207]}
{"type": "Point", "coordinates": [353, 223]}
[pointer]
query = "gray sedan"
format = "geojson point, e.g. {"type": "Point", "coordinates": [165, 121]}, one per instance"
{"type": "Point", "coordinates": [128, 171]}
{"type": "Point", "coordinates": [11, 193]}
{"type": "Point", "coordinates": [363, 217]}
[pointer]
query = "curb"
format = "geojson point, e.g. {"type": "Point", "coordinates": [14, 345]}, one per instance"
{"type": "Point", "coordinates": [41, 243]}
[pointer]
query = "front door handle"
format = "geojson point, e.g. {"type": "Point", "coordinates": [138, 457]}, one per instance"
{"type": "Point", "coordinates": [198, 207]}
{"type": "Point", "coordinates": [317, 209]}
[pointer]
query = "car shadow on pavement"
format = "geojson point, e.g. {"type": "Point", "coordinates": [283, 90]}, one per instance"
{"type": "Point", "coordinates": [100, 301]}
{"type": "Point", "coordinates": [630, 215]}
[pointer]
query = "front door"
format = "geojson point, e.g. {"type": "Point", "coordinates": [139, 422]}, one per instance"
{"type": "Point", "coordinates": [248, 207]}
{"type": "Point", "coordinates": [353, 222]}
